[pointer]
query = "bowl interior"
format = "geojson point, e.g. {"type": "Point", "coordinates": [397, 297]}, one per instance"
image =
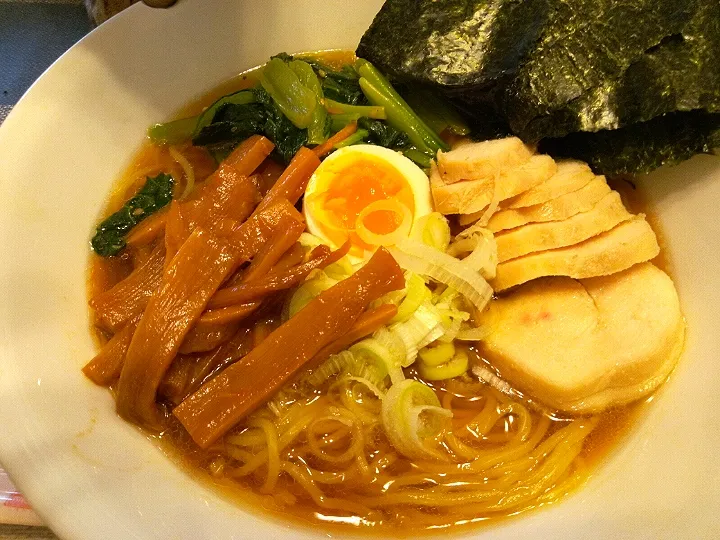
{"type": "Point", "coordinates": [89, 474]}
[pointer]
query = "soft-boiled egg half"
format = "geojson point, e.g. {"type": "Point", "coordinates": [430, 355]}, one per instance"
{"type": "Point", "coordinates": [366, 194]}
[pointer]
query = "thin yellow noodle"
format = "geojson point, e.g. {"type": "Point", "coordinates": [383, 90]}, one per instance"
{"type": "Point", "coordinates": [540, 481]}
{"type": "Point", "coordinates": [292, 431]}
{"type": "Point", "coordinates": [330, 438]}
{"type": "Point", "coordinates": [428, 497]}
{"type": "Point", "coordinates": [249, 437]}
{"type": "Point", "coordinates": [187, 169]}
{"type": "Point", "coordinates": [498, 456]}
{"type": "Point", "coordinates": [490, 458]}
{"type": "Point", "coordinates": [484, 421]}
{"type": "Point", "coordinates": [239, 454]}
{"type": "Point", "coordinates": [348, 400]}
{"type": "Point", "coordinates": [273, 453]}
{"type": "Point", "coordinates": [320, 453]}
{"type": "Point", "coordinates": [304, 480]}
{"type": "Point", "coordinates": [332, 477]}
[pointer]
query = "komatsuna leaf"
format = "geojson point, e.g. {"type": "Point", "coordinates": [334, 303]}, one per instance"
{"type": "Point", "coordinates": [110, 235]}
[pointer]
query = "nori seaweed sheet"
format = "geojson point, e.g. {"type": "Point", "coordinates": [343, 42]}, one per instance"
{"type": "Point", "coordinates": [602, 72]}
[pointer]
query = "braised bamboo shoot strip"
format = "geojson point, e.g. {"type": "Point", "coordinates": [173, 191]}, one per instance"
{"type": "Point", "coordinates": [367, 323]}
{"type": "Point", "coordinates": [203, 263]}
{"type": "Point", "coordinates": [205, 337]}
{"type": "Point", "coordinates": [293, 181]}
{"type": "Point", "coordinates": [105, 368]}
{"type": "Point", "coordinates": [230, 314]}
{"type": "Point", "coordinates": [148, 230]}
{"type": "Point", "coordinates": [188, 372]}
{"type": "Point", "coordinates": [273, 250]}
{"type": "Point", "coordinates": [128, 298]}
{"type": "Point", "coordinates": [277, 280]}
{"type": "Point", "coordinates": [222, 402]}
{"type": "Point", "coordinates": [250, 154]}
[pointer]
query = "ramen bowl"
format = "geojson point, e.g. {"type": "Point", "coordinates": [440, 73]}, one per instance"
{"type": "Point", "coordinates": [89, 474]}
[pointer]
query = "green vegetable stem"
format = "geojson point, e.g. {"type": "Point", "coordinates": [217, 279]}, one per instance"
{"type": "Point", "coordinates": [379, 91]}
{"type": "Point", "coordinates": [187, 128]}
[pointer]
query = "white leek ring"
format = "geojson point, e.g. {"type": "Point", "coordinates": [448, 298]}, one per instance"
{"type": "Point", "coordinates": [187, 169]}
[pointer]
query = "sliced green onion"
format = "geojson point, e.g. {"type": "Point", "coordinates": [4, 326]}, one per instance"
{"type": "Point", "coordinates": [427, 261]}
{"type": "Point", "coordinates": [411, 412]}
{"type": "Point", "coordinates": [384, 361]}
{"type": "Point", "coordinates": [473, 334]}
{"type": "Point", "coordinates": [454, 368]}
{"type": "Point", "coordinates": [435, 355]}
{"type": "Point", "coordinates": [307, 291]}
{"type": "Point", "coordinates": [424, 327]}
{"type": "Point", "coordinates": [479, 244]}
{"type": "Point", "coordinates": [433, 230]}
{"type": "Point", "coordinates": [417, 294]}
{"type": "Point", "coordinates": [451, 331]}
{"type": "Point", "coordinates": [394, 345]}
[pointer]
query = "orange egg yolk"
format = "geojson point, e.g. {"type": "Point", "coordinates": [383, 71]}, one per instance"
{"type": "Point", "coordinates": [346, 189]}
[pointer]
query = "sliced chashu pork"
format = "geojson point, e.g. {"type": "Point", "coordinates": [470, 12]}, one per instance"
{"type": "Point", "coordinates": [628, 243]}
{"type": "Point", "coordinates": [475, 195]}
{"type": "Point", "coordinates": [570, 176]}
{"type": "Point", "coordinates": [583, 346]}
{"type": "Point", "coordinates": [476, 160]}
{"type": "Point", "coordinates": [558, 209]}
{"type": "Point", "coordinates": [605, 215]}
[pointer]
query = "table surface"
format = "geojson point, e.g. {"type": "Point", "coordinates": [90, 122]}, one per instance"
{"type": "Point", "coordinates": [33, 34]}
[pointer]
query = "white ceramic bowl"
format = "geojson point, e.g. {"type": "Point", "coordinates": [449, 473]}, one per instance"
{"type": "Point", "coordinates": [90, 475]}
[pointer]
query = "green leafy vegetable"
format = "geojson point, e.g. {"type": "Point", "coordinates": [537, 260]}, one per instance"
{"type": "Point", "coordinates": [318, 130]}
{"type": "Point", "coordinates": [233, 123]}
{"type": "Point", "coordinates": [295, 100]}
{"type": "Point", "coordinates": [243, 97]}
{"type": "Point", "coordinates": [186, 128]}
{"type": "Point", "coordinates": [110, 235]}
{"type": "Point", "coordinates": [383, 134]}
{"type": "Point", "coordinates": [278, 128]}
{"type": "Point", "coordinates": [173, 132]}
{"type": "Point", "coordinates": [435, 111]}
{"type": "Point", "coordinates": [340, 85]}
{"type": "Point", "coordinates": [555, 68]}
{"type": "Point", "coordinates": [371, 111]}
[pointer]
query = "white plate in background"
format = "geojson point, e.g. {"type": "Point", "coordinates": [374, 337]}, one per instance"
{"type": "Point", "coordinates": [90, 475]}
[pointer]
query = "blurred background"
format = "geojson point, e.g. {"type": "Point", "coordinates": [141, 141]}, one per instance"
{"type": "Point", "coordinates": [34, 33]}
